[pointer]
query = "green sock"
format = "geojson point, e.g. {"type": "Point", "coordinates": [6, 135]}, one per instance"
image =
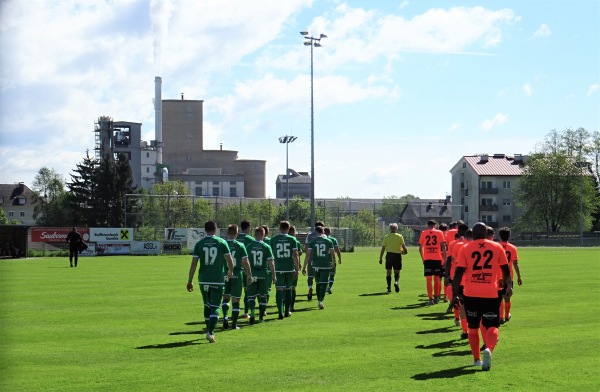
{"type": "Point", "coordinates": [225, 307]}
{"type": "Point", "coordinates": [279, 300]}
{"type": "Point", "coordinates": [287, 299]}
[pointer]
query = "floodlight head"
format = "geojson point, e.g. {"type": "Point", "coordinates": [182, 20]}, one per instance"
{"type": "Point", "coordinates": [304, 32]}
{"type": "Point", "coordinates": [307, 44]}
{"type": "Point", "coordinates": [292, 138]}
{"type": "Point", "coordinates": [318, 45]}
{"type": "Point", "coordinates": [323, 36]}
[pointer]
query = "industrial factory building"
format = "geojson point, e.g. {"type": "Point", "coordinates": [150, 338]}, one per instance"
{"type": "Point", "coordinates": [177, 153]}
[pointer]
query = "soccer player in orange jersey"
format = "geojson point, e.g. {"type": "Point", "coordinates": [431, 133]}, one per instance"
{"type": "Point", "coordinates": [432, 248]}
{"type": "Point", "coordinates": [513, 260]}
{"type": "Point", "coordinates": [477, 269]}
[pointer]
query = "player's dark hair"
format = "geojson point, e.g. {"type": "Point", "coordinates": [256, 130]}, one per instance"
{"type": "Point", "coordinates": [462, 229]}
{"type": "Point", "coordinates": [245, 225]}
{"type": "Point", "coordinates": [504, 233]}
{"type": "Point", "coordinates": [443, 227]}
{"type": "Point", "coordinates": [431, 223]}
{"type": "Point", "coordinates": [479, 231]}
{"type": "Point", "coordinates": [232, 229]}
{"type": "Point", "coordinates": [292, 230]}
{"type": "Point", "coordinates": [327, 231]}
{"type": "Point", "coordinates": [319, 229]}
{"type": "Point", "coordinates": [210, 226]}
{"type": "Point", "coordinates": [266, 228]}
{"type": "Point", "coordinates": [489, 232]}
{"type": "Point", "coordinates": [284, 225]}
{"type": "Point", "coordinates": [469, 234]}
{"type": "Point", "coordinates": [319, 223]}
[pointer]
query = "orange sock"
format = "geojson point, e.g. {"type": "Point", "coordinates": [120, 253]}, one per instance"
{"type": "Point", "coordinates": [457, 313]}
{"type": "Point", "coordinates": [491, 338]}
{"type": "Point", "coordinates": [448, 292]}
{"type": "Point", "coordinates": [506, 310]}
{"type": "Point", "coordinates": [483, 333]}
{"type": "Point", "coordinates": [474, 342]}
{"type": "Point", "coordinates": [429, 284]}
{"type": "Point", "coordinates": [437, 286]}
{"type": "Point", "coordinates": [463, 325]}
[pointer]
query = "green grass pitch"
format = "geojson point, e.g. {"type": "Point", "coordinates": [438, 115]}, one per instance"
{"type": "Point", "coordinates": [128, 324]}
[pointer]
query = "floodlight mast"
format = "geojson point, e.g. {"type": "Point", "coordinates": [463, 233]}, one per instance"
{"type": "Point", "coordinates": [312, 42]}
{"type": "Point", "coordinates": [287, 140]}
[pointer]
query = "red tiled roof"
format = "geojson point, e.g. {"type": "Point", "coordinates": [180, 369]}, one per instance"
{"type": "Point", "coordinates": [495, 165]}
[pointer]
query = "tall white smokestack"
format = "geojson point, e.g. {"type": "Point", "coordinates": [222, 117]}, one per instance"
{"type": "Point", "coordinates": [158, 117]}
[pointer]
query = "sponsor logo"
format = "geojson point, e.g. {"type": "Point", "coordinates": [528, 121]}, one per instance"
{"type": "Point", "coordinates": [150, 245]}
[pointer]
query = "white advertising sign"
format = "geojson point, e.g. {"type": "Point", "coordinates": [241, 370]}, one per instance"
{"type": "Point", "coordinates": [145, 248]}
{"type": "Point", "coordinates": [177, 234]}
{"type": "Point", "coordinates": [194, 235]}
{"type": "Point", "coordinates": [112, 235]}
{"type": "Point", "coordinates": [112, 249]}
{"type": "Point", "coordinates": [90, 251]}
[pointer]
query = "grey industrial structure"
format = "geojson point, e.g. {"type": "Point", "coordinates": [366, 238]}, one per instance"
{"type": "Point", "coordinates": [298, 183]}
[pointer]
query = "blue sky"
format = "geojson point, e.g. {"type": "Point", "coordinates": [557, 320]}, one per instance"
{"type": "Point", "coordinates": [403, 89]}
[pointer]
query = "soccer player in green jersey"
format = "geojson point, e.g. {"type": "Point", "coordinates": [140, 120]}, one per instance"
{"type": "Point", "coordinates": [261, 260]}
{"type": "Point", "coordinates": [214, 255]}
{"type": "Point", "coordinates": [245, 237]}
{"type": "Point", "coordinates": [287, 265]}
{"type": "Point", "coordinates": [292, 232]}
{"type": "Point", "coordinates": [233, 286]}
{"type": "Point", "coordinates": [336, 246]}
{"type": "Point", "coordinates": [267, 240]}
{"type": "Point", "coordinates": [321, 254]}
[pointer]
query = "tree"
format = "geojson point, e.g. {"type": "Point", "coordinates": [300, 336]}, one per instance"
{"type": "Point", "coordinates": [392, 207]}
{"type": "Point", "coordinates": [49, 198]}
{"type": "Point", "coordinates": [557, 183]}
{"type": "Point", "coordinates": [3, 218]}
{"type": "Point", "coordinates": [82, 193]}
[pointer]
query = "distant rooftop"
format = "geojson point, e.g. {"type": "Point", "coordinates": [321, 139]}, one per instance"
{"type": "Point", "coordinates": [497, 164]}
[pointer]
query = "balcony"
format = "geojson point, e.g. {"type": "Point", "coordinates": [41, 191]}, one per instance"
{"type": "Point", "coordinates": [493, 207]}
{"type": "Point", "coordinates": [488, 191]}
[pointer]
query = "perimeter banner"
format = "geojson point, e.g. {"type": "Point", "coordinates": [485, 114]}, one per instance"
{"type": "Point", "coordinates": [145, 248]}
{"type": "Point", "coordinates": [56, 234]}
{"type": "Point", "coordinates": [112, 235]}
{"type": "Point", "coordinates": [112, 249]}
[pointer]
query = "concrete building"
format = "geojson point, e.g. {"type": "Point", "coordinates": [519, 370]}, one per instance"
{"type": "Point", "coordinates": [299, 184]}
{"type": "Point", "coordinates": [418, 212]}
{"type": "Point", "coordinates": [483, 185]}
{"type": "Point", "coordinates": [17, 202]}
{"type": "Point", "coordinates": [205, 172]}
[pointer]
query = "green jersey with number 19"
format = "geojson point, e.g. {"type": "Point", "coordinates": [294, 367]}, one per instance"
{"type": "Point", "coordinates": [283, 246]}
{"type": "Point", "coordinates": [211, 251]}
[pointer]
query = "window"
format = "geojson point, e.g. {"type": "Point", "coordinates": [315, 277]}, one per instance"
{"type": "Point", "coordinates": [215, 191]}
{"type": "Point", "coordinates": [505, 202]}
{"type": "Point", "coordinates": [486, 202]}
{"type": "Point", "coordinates": [147, 155]}
{"type": "Point", "coordinates": [506, 218]}
{"type": "Point", "coordinates": [215, 182]}
{"type": "Point", "coordinates": [466, 208]}
{"type": "Point", "coordinates": [11, 214]}
{"type": "Point", "coordinates": [486, 184]}
{"type": "Point", "coordinates": [198, 191]}
{"type": "Point", "coordinates": [1, 200]}
{"type": "Point", "coordinates": [486, 218]}
{"type": "Point", "coordinates": [22, 214]}
{"type": "Point", "coordinates": [466, 192]}
{"type": "Point", "coordinates": [232, 183]}
{"type": "Point", "coordinates": [147, 170]}
{"type": "Point", "coordinates": [233, 192]}
{"type": "Point", "coordinates": [464, 164]}
{"type": "Point", "coordinates": [506, 184]}
{"type": "Point", "coordinates": [21, 201]}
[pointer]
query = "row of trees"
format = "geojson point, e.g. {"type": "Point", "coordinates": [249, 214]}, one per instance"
{"type": "Point", "coordinates": [558, 191]}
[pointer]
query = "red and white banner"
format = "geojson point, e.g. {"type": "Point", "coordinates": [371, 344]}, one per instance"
{"type": "Point", "coordinates": [56, 234]}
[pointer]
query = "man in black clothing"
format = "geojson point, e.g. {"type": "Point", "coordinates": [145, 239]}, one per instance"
{"type": "Point", "coordinates": [74, 239]}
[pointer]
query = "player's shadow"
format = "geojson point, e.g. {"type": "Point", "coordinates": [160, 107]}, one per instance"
{"type": "Point", "coordinates": [170, 345]}
{"type": "Point", "coordinates": [374, 294]}
{"type": "Point", "coordinates": [304, 310]}
{"type": "Point", "coordinates": [441, 345]}
{"type": "Point", "coordinates": [437, 330]}
{"type": "Point", "coordinates": [419, 305]}
{"type": "Point", "coordinates": [451, 353]}
{"type": "Point", "coordinates": [436, 316]}
{"type": "Point", "coordinates": [445, 373]}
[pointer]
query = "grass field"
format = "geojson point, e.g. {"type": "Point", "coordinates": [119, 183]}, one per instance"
{"type": "Point", "coordinates": [128, 323]}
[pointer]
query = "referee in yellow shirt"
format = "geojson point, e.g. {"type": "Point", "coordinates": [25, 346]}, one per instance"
{"type": "Point", "coordinates": [393, 243]}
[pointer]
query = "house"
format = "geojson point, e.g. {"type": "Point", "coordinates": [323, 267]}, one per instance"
{"type": "Point", "coordinates": [17, 202]}
{"type": "Point", "coordinates": [483, 185]}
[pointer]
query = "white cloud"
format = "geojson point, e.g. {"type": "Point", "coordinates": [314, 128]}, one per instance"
{"type": "Point", "coordinates": [543, 31]}
{"type": "Point", "coordinates": [454, 127]}
{"type": "Point", "coordinates": [527, 89]}
{"type": "Point", "coordinates": [498, 119]}
{"type": "Point", "coordinates": [592, 89]}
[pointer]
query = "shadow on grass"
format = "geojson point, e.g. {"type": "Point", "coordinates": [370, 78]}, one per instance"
{"type": "Point", "coordinates": [374, 294]}
{"type": "Point", "coordinates": [304, 310]}
{"type": "Point", "coordinates": [450, 353]}
{"type": "Point", "coordinates": [446, 373]}
{"type": "Point", "coordinates": [441, 345]}
{"type": "Point", "coordinates": [412, 306]}
{"type": "Point", "coordinates": [436, 316]}
{"type": "Point", "coordinates": [170, 345]}
{"type": "Point", "coordinates": [437, 330]}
